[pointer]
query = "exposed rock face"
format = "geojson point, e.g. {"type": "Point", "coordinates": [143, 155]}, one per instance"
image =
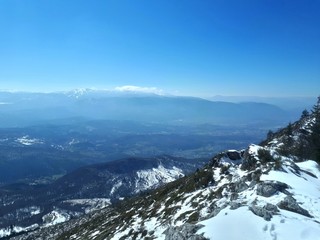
{"type": "Point", "coordinates": [185, 232]}
{"type": "Point", "coordinates": [267, 189]}
{"type": "Point", "coordinates": [235, 205]}
{"type": "Point", "coordinates": [216, 210]}
{"type": "Point", "coordinates": [233, 155]}
{"type": "Point", "coordinates": [249, 162]}
{"type": "Point", "coordinates": [290, 204]}
{"type": "Point", "coordinates": [266, 211]}
{"type": "Point", "coordinates": [237, 187]}
{"type": "Point", "coordinates": [240, 186]}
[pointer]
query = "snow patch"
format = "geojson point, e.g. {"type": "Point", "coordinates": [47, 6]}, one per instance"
{"type": "Point", "coordinates": [5, 232]}
{"type": "Point", "coordinates": [147, 179]}
{"type": "Point", "coordinates": [115, 187]}
{"type": "Point", "coordinates": [26, 140]}
{"type": "Point", "coordinates": [91, 204]}
{"type": "Point", "coordinates": [55, 217]}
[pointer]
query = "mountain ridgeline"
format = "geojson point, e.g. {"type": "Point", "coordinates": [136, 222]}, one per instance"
{"type": "Point", "coordinates": [267, 191]}
{"type": "Point", "coordinates": [25, 109]}
{"type": "Point", "coordinates": [302, 138]}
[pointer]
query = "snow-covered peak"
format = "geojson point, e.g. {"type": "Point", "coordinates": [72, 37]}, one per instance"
{"type": "Point", "coordinates": [115, 92]}
{"type": "Point", "coordinates": [82, 92]}
{"type": "Point", "coordinates": [147, 179]}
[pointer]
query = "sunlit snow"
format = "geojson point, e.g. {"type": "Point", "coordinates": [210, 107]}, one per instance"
{"type": "Point", "coordinates": [26, 140]}
{"type": "Point", "coordinates": [242, 224]}
{"type": "Point", "coordinates": [151, 178]}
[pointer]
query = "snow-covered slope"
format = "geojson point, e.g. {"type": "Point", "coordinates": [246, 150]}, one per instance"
{"type": "Point", "coordinates": [253, 198]}
{"type": "Point", "coordinates": [283, 205]}
{"type": "Point", "coordinates": [267, 201]}
{"type": "Point", "coordinates": [87, 189]}
{"type": "Point", "coordinates": [148, 179]}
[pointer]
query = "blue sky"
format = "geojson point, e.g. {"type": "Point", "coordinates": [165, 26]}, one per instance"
{"type": "Point", "coordinates": [200, 48]}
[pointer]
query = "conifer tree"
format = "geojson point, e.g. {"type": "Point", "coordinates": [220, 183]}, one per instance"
{"type": "Point", "coordinates": [315, 136]}
{"type": "Point", "coordinates": [305, 114]}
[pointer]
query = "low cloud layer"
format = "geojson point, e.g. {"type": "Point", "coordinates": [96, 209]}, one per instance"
{"type": "Point", "coordinates": [129, 88]}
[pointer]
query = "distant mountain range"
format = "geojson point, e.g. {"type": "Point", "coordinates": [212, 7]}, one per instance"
{"type": "Point", "coordinates": [293, 104]}
{"type": "Point", "coordinates": [24, 109]}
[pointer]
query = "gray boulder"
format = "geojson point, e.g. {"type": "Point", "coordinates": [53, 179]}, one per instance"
{"type": "Point", "coordinates": [266, 212]}
{"type": "Point", "coordinates": [290, 204]}
{"type": "Point", "coordinates": [240, 186]}
{"type": "Point", "coordinates": [185, 232]}
{"type": "Point", "coordinates": [249, 163]}
{"type": "Point", "coordinates": [233, 155]}
{"type": "Point", "coordinates": [235, 205]}
{"type": "Point", "coordinates": [267, 189]}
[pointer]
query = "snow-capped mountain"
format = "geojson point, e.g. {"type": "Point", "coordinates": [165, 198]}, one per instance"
{"type": "Point", "coordinates": [123, 178]}
{"type": "Point", "coordinates": [265, 192]}
{"type": "Point", "coordinates": [124, 91]}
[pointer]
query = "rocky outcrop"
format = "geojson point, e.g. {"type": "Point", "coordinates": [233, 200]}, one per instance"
{"type": "Point", "coordinates": [185, 232]}
{"type": "Point", "coordinates": [266, 212]}
{"type": "Point", "coordinates": [240, 186]}
{"type": "Point", "coordinates": [249, 163]}
{"type": "Point", "coordinates": [290, 204]}
{"type": "Point", "coordinates": [233, 155]}
{"type": "Point", "coordinates": [267, 189]}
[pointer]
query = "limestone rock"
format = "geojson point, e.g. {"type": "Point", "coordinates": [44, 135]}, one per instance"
{"type": "Point", "coordinates": [185, 232]}
{"type": "Point", "coordinates": [290, 204]}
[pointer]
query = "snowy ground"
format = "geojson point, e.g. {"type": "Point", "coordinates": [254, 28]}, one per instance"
{"type": "Point", "coordinates": [242, 224]}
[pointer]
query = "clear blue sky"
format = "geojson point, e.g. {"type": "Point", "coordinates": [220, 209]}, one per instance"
{"type": "Point", "coordinates": [199, 47]}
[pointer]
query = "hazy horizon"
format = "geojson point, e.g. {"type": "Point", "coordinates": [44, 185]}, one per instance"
{"type": "Point", "coordinates": [155, 91]}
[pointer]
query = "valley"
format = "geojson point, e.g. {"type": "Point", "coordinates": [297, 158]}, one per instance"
{"type": "Point", "coordinates": [38, 152]}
